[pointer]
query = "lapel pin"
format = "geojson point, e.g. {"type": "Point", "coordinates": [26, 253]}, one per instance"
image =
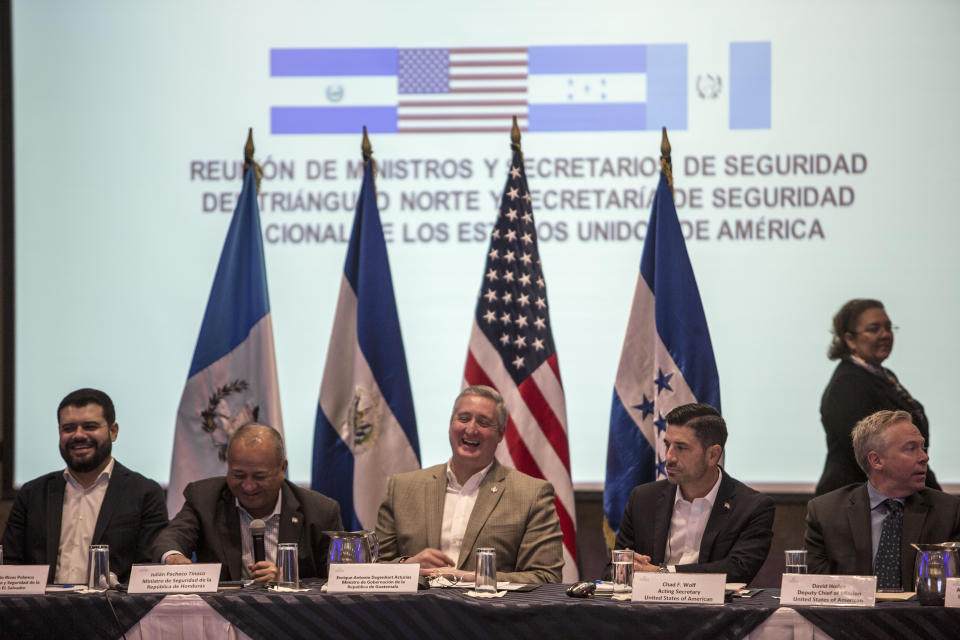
{"type": "Point", "coordinates": [295, 519]}
{"type": "Point", "coordinates": [726, 505]}
{"type": "Point", "coordinates": [493, 489]}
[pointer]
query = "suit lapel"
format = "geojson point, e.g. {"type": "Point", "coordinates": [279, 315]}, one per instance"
{"type": "Point", "coordinates": [435, 494]}
{"type": "Point", "coordinates": [915, 511]}
{"type": "Point", "coordinates": [488, 495]}
{"type": "Point", "coordinates": [858, 518]}
{"type": "Point", "coordinates": [116, 487]}
{"type": "Point", "coordinates": [661, 529]}
{"type": "Point", "coordinates": [722, 508]}
{"type": "Point", "coordinates": [228, 534]}
{"type": "Point", "coordinates": [291, 518]}
{"type": "Point", "coordinates": [55, 491]}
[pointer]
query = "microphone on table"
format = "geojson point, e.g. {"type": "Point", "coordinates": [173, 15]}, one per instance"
{"type": "Point", "coordinates": [257, 529]}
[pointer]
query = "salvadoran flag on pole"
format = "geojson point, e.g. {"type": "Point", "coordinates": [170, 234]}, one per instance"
{"type": "Point", "coordinates": [666, 361]}
{"type": "Point", "coordinates": [365, 429]}
{"type": "Point", "coordinates": [233, 376]}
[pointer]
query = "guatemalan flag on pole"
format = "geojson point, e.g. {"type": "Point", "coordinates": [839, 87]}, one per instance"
{"type": "Point", "coordinates": [365, 430]}
{"type": "Point", "coordinates": [666, 361]}
{"type": "Point", "coordinates": [233, 376]}
{"type": "Point", "coordinates": [511, 349]}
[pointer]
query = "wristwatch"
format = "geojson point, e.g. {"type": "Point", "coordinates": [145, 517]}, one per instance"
{"type": "Point", "coordinates": [663, 568]}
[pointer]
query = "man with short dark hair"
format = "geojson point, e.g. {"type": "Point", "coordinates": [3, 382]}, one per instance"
{"type": "Point", "coordinates": [215, 520]}
{"type": "Point", "coordinates": [95, 500]}
{"type": "Point", "coordinates": [439, 516]}
{"type": "Point", "coordinates": [699, 519]}
{"type": "Point", "coordinates": [866, 528]}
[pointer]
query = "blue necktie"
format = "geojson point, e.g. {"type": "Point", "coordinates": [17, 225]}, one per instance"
{"type": "Point", "coordinates": [887, 563]}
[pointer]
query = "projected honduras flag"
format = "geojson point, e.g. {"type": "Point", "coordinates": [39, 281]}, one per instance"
{"type": "Point", "coordinates": [666, 361]}
{"type": "Point", "coordinates": [365, 429]}
{"type": "Point", "coordinates": [233, 376]}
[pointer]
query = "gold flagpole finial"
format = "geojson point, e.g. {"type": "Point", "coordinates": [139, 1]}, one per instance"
{"type": "Point", "coordinates": [367, 150]}
{"type": "Point", "coordinates": [365, 146]}
{"type": "Point", "coordinates": [248, 160]}
{"type": "Point", "coordinates": [515, 136]}
{"type": "Point", "coordinates": [666, 165]}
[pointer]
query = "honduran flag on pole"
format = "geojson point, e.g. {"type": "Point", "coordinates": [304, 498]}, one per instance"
{"type": "Point", "coordinates": [666, 361]}
{"type": "Point", "coordinates": [365, 429]}
{"type": "Point", "coordinates": [233, 376]}
{"type": "Point", "coordinates": [512, 350]}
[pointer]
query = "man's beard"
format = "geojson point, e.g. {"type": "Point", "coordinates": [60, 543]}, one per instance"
{"type": "Point", "coordinates": [100, 453]}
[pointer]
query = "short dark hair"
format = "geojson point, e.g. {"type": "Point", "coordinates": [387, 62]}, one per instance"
{"type": "Point", "coordinates": [845, 320]}
{"type": "Point", "coordinates": [706, 422]}
{"type": "Point", "coordinates": [83, 397]}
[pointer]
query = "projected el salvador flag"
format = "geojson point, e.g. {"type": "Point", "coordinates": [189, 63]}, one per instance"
{"type": "Point", "coordinates": [233, 376]}
{"type": "Point", "coordinates": [365, 429]}
{"type": "Point", "coordinates": [466, 90]}
{"type": "Point", "coordinates": [666, 361]}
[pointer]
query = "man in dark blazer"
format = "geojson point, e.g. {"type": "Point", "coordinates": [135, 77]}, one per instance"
{"type": "Point", "coordinates": [845, 527]}
{"type": "Point", "coordinates": [699, 519]}
{"type": "Point", "coordinates": [104, 502]}
{"type": "Point", "coordinates": [215, 520]}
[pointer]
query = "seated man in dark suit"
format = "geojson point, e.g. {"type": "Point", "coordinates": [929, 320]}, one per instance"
{"type": "Point", "coordinates": [96, 500]}
{"type": "Point", "coordinates": [215, 520]}
{"type": "Point", "coordinates": [866, 528]}
{"type": "Point", "coordinates": [699, 519]}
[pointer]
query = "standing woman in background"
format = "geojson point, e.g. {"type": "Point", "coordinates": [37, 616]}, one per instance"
{"type": "Point", "coordinates": [860, 386]}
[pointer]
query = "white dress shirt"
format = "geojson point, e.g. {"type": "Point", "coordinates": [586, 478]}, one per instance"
{"type": "Point", "coordinates": [457, 506]}
{"type": "Point", "coordinates": [81, 508]}
{"type": "Point", "coordinates": [687, 523]}
{"type": "Point", "coordinates": [270, 536]}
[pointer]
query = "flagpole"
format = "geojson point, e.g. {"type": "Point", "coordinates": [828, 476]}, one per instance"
{"type": "Point", "coordinates": [666, 165]}
{"type": "Point", "coordinates": [515, 137]}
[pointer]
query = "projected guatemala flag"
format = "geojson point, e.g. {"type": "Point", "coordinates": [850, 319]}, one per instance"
{"type": "Point", "coordinates": [666, 361]}
{"type": "Point", "coordinates": [365, 429]}
{"type": "Point", "coordinates": [233, 376]}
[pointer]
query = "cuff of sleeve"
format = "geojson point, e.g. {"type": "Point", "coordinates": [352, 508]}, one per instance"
{"type": "Point", "coordinates": [672, 568]}
{"type": "Point", "coordinates": [167, 554]}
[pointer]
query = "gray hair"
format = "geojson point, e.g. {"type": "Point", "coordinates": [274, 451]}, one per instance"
{"type": "Point", "coordinates": [490, 393]}
{"type": "Point", "coordinates": [255, 433]}
{"type": "Point", "coordinates": [869, 436]}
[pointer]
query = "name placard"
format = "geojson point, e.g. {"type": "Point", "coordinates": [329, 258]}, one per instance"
{"type": "Point", "coordinates": [373, 578]}
{"type": "Point", "coordinates": [699, 588]}
{"type": "Point", "coordinates": [828, 591]}
{"type": "Point", "coordinates": [952, 593]}
{"type": "Point", "coordinates": [23, 579]}
{"type": "Point", "coordinates": [174, 578]}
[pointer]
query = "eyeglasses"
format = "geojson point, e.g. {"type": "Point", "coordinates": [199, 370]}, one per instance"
{"type": "Point", "coordinates": [875, 329]}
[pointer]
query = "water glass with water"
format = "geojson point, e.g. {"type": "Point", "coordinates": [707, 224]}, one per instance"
{"type": "Point", "coordinates": [795, 561]}
{"type": "Point", "coordinates": [486, 574]}
{"type": "Point", "coordinates": [622, 570]}
{"type": "Point", "coordinates": [98, 567]}
{"type": "Point", "coordinates": [288, 563]}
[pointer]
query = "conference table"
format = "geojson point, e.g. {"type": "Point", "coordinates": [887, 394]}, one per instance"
{"type": "Point", "coordinates": [544, 613]}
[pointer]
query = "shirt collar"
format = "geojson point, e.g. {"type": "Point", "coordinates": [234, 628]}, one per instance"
{"type": "Point", "coordinates": [711, 497]}
{"type": "Point", "coordinates": [478, 476]}
{"type": "Point", "coordinates": [103, 477]}
{"type": "Point", "coordinates": [877, 498]}
{"type": "Point", "coordinates": [273, 514]}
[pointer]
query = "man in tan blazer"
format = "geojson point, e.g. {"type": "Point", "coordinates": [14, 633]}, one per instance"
{"type": "Point", "coordinates": [439, 516]}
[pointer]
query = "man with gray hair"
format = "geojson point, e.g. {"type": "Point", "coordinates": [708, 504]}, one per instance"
{"type": "Point", "coordinates": [216, 518]}
{"type": "Point", "coordinates": [866, 528]}
{"type": "Point", "coordinates": [439, 516]}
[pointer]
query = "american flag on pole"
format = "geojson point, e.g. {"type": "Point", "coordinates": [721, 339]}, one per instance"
{"type": "Point", "coordinates": [511, 349]}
